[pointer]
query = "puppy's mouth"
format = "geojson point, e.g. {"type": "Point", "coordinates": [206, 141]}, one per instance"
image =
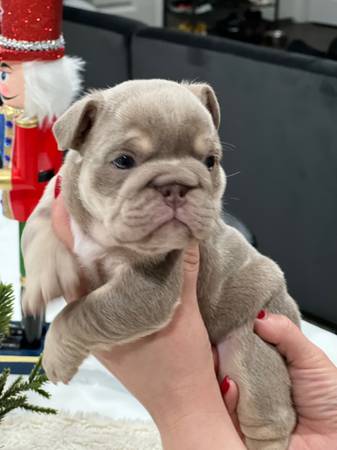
{"type": "Point", "coordinates": [160, 220]}
{"type": "Point", "coordinates": [175, 222]}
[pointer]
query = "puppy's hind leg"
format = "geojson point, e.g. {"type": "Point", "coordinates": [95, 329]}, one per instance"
{"type": "Point", "coordinates": [265, 410]}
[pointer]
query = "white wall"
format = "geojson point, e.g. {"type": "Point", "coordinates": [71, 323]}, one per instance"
{"type": "Point", "coordinates": [320, 11]}
{"type": "Point", "coordinates": [323, 11]}
{"type": "Point", "coordinates": [148, 11]}
{"type": "Point", "coordinates": [295, 9]}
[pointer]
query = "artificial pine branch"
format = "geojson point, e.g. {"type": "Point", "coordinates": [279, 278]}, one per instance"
{"type": "Point", "coordinates": [3, 379]}
{"type": "Point", "coordinates": [6, 308]}
{"type": "Point", "coordinates": [39, 409]}
{"type": "Point", "coordinates": [15, 395]}
{"type": "Point", "coordinates": [14, 388]}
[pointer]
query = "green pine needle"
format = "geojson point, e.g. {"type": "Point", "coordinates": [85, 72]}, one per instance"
{"type": "Point", "coordinates": [39, 409]}
{"type": "Point", "coordinates": [15, 395]}
{"type": "Point", "coordinates": [3, 379]}
{"type": "Point", "coordinates": [36, 370]}
{"type": "Point", "coordinates": [6, 308]}
{"type": "Point", "coordinates": [14, 388]}
{"type": "Point", "coordinates": [11, 404]}
{"type": "Point", "coordinates": [43, 393]}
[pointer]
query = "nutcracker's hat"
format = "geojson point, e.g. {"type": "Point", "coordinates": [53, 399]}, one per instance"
{"type": "Point", "coordinates": [31, 30]}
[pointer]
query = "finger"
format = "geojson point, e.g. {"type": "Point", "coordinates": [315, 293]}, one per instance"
{"type": "Point", "coordinates": [215, 359]}
{"type": "Point", "coordinates": [288, 338]}
{"type": "Point", "coordinates": [61, 222]}
{"type": "Point", "coordinates": [191, 259]}
{"type": "Point", "coordinates": [230, 394]}
{"type": "Point", "coordinates": [190, 272]}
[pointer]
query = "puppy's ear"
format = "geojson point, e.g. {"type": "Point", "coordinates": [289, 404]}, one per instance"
{"type": "Point", "coordinates": [207, 96]}
{"type": "Point", "coordinates": [73, 127]}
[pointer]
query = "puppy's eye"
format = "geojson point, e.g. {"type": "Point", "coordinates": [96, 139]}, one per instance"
{"type": "Point", "coordinates": [210, 162]}
{"type": "Point", "coordinates": [124, 162]}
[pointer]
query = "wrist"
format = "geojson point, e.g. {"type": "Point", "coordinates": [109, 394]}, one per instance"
{"type": "Point", "coordinates": [202, 430]}
{"type": "Point", "coordinates": [194, 416]}
{"type": "Point", "coordinates": [181, 399]}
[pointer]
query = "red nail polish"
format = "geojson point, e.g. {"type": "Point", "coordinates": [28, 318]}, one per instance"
{"type": "Point", "coordinates": [224, 387]}
{"type": "Point", "coordinates": [261, 314]}
{"type": "Point", "coordinates": [57, 189]}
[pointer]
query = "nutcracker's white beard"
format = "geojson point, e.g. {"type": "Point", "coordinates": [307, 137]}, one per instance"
{"type": "Point", "coordinates": [51, 86]}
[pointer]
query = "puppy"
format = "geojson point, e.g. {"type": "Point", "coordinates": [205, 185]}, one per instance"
{"type": "Point", "coordinates": [142, 179]}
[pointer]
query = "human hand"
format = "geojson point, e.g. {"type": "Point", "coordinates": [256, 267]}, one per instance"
{"type": "Point", "coordinates": [172, 374]}
{"type": "Point", "coordinates": [314, 384]}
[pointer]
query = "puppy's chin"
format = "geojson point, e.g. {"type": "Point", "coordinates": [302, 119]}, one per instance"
{"type": "Point", "coordinates": [172, 235]}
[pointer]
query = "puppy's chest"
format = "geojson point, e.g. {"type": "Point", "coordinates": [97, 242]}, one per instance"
{"type": "Point", "coordinates": [103, 270]}
{"type": "Point", "coordinates": [99, 267]}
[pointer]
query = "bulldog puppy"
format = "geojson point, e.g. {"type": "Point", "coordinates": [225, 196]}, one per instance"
{"type": "Point", "coordinates": [142, 179]}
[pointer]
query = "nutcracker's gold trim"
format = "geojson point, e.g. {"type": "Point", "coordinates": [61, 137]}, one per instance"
{"type": "Point", "coordinates": [27, 122]}
{"type": "Point", "coordinates": [6, 205]}
{"type": "Point", "coordinates": [5, 180]}
{"type": "Point", "coordinates": [23, 281]}
{"type": "Point", "coordinates": [10, 111]}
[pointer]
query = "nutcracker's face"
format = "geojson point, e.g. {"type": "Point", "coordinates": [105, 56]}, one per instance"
{"type": "Point", "coordinates": [12, 84]}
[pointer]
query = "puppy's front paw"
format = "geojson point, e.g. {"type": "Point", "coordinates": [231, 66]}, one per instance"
{"type": "Point", "coordinates": [59, 361]}
{"type": "Point", "coordinates": [32, 300]}
{"type": "Point", "coordinates": [56, 368]}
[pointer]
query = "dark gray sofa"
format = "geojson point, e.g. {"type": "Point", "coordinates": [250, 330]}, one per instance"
{"type": "Point", "coordinates": [103, 41]}
{"type": "Point", "coordinates": [279, 110]}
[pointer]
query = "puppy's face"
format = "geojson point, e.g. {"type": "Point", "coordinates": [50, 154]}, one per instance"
{"type": "Point", "coordinates": [149, 163]}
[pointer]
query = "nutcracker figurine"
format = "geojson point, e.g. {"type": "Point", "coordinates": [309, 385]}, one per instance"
{"type": "Point", "coordinates": [37, 84]}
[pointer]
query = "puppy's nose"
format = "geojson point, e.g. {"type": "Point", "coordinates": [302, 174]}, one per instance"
{"type": "Point", "coordinates": [174, 194]}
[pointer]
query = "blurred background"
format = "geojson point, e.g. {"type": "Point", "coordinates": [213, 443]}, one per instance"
{"type": "Point", "coordinates": [307, 26]}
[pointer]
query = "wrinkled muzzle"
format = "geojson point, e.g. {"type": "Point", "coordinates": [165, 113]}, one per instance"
{"type": "Point", "coordinates": [164, 204]}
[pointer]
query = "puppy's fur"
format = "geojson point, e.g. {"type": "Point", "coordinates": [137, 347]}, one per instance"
{"type": "Point", "coordinates": [131, 226]}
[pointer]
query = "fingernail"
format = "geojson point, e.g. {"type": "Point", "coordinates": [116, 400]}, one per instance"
{"type": "Point", "coordinates": [224, 387]}
{"type": "Point", "coordinates": [57, 188]}
{"type": "Point", "coordinates": [262, 314]}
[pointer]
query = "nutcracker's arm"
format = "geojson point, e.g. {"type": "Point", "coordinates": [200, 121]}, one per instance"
{"type": "Point", "coordinates": [34, 161]}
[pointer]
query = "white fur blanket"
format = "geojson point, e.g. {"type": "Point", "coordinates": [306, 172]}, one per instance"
{"type": "Point", "coordinates": [30, 431]}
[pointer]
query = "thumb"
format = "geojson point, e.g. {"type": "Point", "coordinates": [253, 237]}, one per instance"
{"type": "Point", "coordinates": [230, 394]}
{"type": "Point", "coordinates": [289, 340]}
{"type": "Point", "coordinates": [190, 271]}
